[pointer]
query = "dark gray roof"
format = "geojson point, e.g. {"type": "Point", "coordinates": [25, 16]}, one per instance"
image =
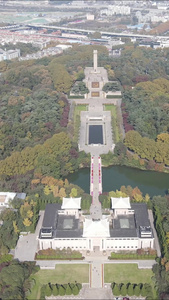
{"type": "Point", "coordinates": [63, 232]}
{"type": "Point", "coordinates": [62, 226]}
{"type": "Point", "coordinates": [141, 214]}
{"type": "Point", "coordinates": [139, 218]}
{"type": "Point", "coordinates": [21, 196]}
{"type": "Point", "coordinates": [117, 231]}
{"type": "Point", "coordinates": [50, 216]}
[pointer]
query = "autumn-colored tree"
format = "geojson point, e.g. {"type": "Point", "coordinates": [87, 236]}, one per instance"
{"type": "Point", "coordinates": [16, 230]}
{"type": "Point", "coordinates": [136, 192]}
{"type": "Point", "coordinates": [61, 78]}
{"type": "Point", "coordinates": [27, 222]}
{"type": "Point", "coordinates": [47, 190]}
{"type": "Point", "coordinates": [164, 137]}
{"type": "Point", "coordinates": [73, 193]}
{"type": "Point", "coordinates": [62, 193]}
{"type": "Point", "coordinates": [55, 190]}
{"type": "Point", "coordinates": [24, 209]}
{"type": "Point", "coordinates": [117, 194]}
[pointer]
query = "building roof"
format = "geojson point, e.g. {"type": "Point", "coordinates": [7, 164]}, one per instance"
{"type": "Point", "coordinates": [141, 214]}
{"type": "Point", "coordinates": [120, 202]}
{"type": "Point", "coordinates": [50, 216]}
{"type": "Point", "coordinates": [5, 197]}
{"type": "Point", "coordinates": [96, 228]}
{"type": "Point", "coordinates": [124, 226]}
{"type": "Point", "coordinates": [71, 203]}
{"type": "Point", "coordinates": [21, 196]}
{"type": "Point", "coordinates": [67, 227]}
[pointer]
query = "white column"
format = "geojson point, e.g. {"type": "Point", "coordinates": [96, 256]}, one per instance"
{"type": "Point", "coordinates": [95, 60]}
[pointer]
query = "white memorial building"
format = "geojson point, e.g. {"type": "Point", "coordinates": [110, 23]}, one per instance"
{"type": "Point", "coordinates": [127, 227]}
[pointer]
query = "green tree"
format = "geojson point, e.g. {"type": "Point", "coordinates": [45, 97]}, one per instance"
{"type": "Point", "coordinates": [73, 193]}
{"type": "Point", "coordinates": [116, 290]}
{"type": "Point", "coordinates": [61, 290]}
{"type": "Point", "coordinates": [130, 290]}
{"type": "Point", "coordinates": [48, 290]}
{"type": "Point", "coordinates": [61, 78]}
{"type": "Point", "coordinates": [123, 290]}
{"type": "Point", "coordinates": [137, 290]}
{"type": "Point", "coordinates": [68, 290]}
{"type": "Point", "coordinates": [75, 290]}
{"type": "Point", "coordinates": [55, 290]}
{"type": "Point", "coordinates": [143, 291]}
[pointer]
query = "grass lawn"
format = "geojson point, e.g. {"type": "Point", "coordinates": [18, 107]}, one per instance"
{"type": "Point", "coordinates": [125, 273]}
{"type": "Point", "coordinates": [76, 117]}
{"type": "Point", "coordinates": [81, 107]}
{"type": "Point", "coordinates": [63, 273]}
{"type": "Point", "coordinates": [78, 109]}
{"type": "Point", "coordinates": [115, 128]}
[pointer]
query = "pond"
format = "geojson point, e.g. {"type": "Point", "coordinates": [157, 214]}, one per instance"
{"type": "Point", "coordinates": [153, 183]}
{"type": "Point", "coordinates": [95, 134]}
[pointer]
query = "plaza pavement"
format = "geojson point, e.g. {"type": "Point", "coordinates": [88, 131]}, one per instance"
{"type": "Point", "coordinates": [27, 245]}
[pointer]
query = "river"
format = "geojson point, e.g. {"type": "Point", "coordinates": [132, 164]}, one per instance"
{"type": "Point", "coordinates": [153, 183]}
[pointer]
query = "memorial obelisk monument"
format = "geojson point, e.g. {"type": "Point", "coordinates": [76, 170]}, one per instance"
{"type": "Point", "coordinates": [95, 60]}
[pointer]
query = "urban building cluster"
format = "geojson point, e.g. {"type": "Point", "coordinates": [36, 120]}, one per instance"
{"type": "Point", "coordinates": [46, 52]}
{"type": "Point", "coordinates": [153, 17]}
{"type": "Point", "coordinates": [13, 37]}
{"type": "Point", "coordinates": [115, 10]}
{"type": "Point", "coordinates": [9, 54]}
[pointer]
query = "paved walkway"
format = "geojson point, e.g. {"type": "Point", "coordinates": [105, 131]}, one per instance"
{"type": "Point", "coordinates": [89, 293]}
{"type": "Point", "coordinates": [156, 241]}
{"type": "Point", "coordinates": [96, 275]}
{"type": "Point", "coordinates": [27, 245]}
{"type": "Point", "coordinates": [95, 209]}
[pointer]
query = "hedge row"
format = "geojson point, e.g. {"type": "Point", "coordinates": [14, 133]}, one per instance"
{"type": "Point", "coordinates": [60, 289]}
{"type": "Point", "coordinates": [56, 257]}
{"type": "Point", "coordinates": [131, 256]}
{"type": "Point", "coordinates": [113, 96]}
{"type": "Point", "coordinates": [130, 289]}
{"type": "Point", "coordinates": [75, 97]}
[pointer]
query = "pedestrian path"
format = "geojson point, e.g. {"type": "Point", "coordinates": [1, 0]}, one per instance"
{"type": "Point", "coordinates": [96, 275]}
{"type": "Point", "coordinates": [95, 187]}
{"type": "Point", "coordinates": [95, 176]}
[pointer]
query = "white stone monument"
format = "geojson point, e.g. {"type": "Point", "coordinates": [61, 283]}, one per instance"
{"type": "Point", "coordinates": [95, 60]}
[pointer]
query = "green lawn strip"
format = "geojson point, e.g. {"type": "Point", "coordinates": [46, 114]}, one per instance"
{"type": "Point", "coordinates": [63, 273]}
{"type": "Point", "coordinates": [81, 107]}
{"type": "Point", "coordinates": [76, 121]}
{"type": "Point", "coordinates": [113, 109]}
{"type": "Point", "coordinates": [124, 273]}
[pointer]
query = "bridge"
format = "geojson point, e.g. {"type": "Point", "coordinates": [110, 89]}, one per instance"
{"type": "Point", "coordinates": [95, 186]}
{"type": "Point", "coordinates": [107, 33]}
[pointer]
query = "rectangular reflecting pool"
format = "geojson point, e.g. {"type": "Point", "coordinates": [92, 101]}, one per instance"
{"type": "Point", "coordinates": [95, 134]}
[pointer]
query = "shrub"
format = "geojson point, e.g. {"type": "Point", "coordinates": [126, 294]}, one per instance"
{"type": "Point", "coordinates": [123, 290]}
{"type": "Point", "coordinates": [55, 290]}
{"type": "Point", "coordinates": [143, 291]}
{"type": "Point", "coordinates": [75, 290]}
{"type": "Point", "coordinates": [61, 290]}
{"type": "Point", "coordinates": [137, 290]}
{"type": "Point", "coordinates": [130, 290]}
{"type": "Point", "coordinates": [48, 291]}
{"type": "Point", "coordinates": [42, 292]}
{"type": "Point", "coordinates": [116, 290]}
{"type": "Point", "coordinates": [68, 290]}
